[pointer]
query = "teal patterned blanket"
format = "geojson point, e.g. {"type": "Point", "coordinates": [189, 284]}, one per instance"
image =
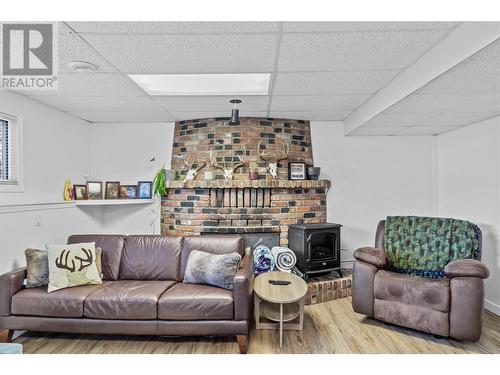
{"type": "Point", "coordinates": [423, 246]}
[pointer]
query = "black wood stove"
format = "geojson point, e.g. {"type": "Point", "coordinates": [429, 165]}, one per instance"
{"type": "Point", "coordinates": [317, 247]}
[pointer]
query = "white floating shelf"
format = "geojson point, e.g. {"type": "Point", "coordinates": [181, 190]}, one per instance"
{"type": "Point", "coordinates": [113, 202]}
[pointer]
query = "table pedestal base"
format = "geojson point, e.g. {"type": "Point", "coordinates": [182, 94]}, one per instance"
{"type": "Point", "coordinates": [279, 313]}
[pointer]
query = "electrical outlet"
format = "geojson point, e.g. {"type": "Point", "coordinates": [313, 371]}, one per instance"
{"type": "Point", "coordinates": [38, 220]}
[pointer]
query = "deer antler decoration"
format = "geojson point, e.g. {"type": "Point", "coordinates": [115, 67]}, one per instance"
{"type": "Point", "coordinates": [192, 171]}
{"type": "Point", "coordinates": [62, 261]}
{"type": "Point", "coordinates": [228, 171]}
{"type": "Point", "coordinates": [272, 160]}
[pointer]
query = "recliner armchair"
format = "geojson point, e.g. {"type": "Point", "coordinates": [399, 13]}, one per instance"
{"type": "Point", "coordinates": [449, 305]}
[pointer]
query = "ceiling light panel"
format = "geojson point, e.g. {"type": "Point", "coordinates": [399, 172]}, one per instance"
{"type": "Point", "coordinates": [203, 84]}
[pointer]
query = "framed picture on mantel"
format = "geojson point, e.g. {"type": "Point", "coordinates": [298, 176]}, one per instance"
{"type": "Point", "coordinates": [297, 171]}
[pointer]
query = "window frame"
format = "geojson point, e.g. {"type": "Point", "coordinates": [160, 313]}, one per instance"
{"type": "Point", "coordinates": [14, 186]}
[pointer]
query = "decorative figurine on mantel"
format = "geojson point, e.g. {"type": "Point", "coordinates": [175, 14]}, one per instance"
{"type": "Point", "coordinates": [273, 160]}
{"type": "Point", "coordinates": [228, 171]}
{"type": "Point", "coordinates": [193, 171]}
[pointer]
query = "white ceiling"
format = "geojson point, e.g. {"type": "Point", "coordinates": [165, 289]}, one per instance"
{"type": "Point", "coordinates": [466, 94]}
{"type": "Point", "coordinates": [320, 71]}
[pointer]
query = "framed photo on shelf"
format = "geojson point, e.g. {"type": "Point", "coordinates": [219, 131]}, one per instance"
{"type": "Point", "coordinates": [80, 192]}
{"type": "Point", "coordinates": [145, 189]}
{"type": "Point", "coordinates": [94, 190]}
{"type": "Point", "coordinates": [128, 191]}
{"type": "Point", "coordinates": [297, 171]}
{"type": "Point", "coordinates": [112, 190]}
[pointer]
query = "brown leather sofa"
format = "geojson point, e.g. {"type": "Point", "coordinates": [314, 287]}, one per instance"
{"type": "Point", "coordinates": [451, 306]}
{"type": "Point", "coordinates": [142, 292]}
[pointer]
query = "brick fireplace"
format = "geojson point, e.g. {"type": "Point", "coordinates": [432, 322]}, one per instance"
{"type": "Point", "coordinates": [242, 205]}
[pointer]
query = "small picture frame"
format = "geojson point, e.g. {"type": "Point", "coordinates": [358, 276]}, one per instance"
{"type": "Point", "coordinates": [80, 192]}
{"type": "Point", "coordinates": [145, 189]}
{"type": "Point", "coordinates": [112, 190]}
{"type": "Point", "coordinates": [128, 191]}
{"type": "Point", "coordinates": [297, 171]}
{"type": "Point", "coordinates": [94, 190]}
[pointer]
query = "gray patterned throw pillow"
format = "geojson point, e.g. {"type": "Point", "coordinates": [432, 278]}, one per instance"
{"type": "Point", "coordinates": [212, 269]}
{"type": "Point", "coordinates": [37, 268]}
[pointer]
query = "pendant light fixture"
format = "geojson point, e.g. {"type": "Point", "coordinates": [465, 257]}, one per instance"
{"type": "Point", "coordinates": [235, 112]}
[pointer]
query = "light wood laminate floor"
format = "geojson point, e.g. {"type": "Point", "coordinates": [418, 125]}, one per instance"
{"type": "Point", "coordinates": [330, 327]}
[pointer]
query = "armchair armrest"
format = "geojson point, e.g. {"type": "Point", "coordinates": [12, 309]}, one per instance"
{"type": "Point", "coordinates": [243, 287]}
{"type": "Point", "coordinates": [10, 284]}
{"type": "Point", "coordinates": [466, 268]}
{"type": "Point", "coordinates": [373, 256]}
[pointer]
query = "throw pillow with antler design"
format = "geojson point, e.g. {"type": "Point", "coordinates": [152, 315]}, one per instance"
{"type": "Point", "coordinates": [72, 265]}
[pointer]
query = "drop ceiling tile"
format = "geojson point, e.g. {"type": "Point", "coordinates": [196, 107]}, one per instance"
{"type": "Point", "coordinates": [173, 27]}
{"type": "Point", "coordinates": [363, 26]}
{"type": "Point", "coordinates": [457, 119]}
{"type": "Point", "coordinates": [478, 74]}
{"type": "Point", "coordinates": [355, 50]}
{"type": "Point", "coordinates": [124, 116]}
{"type": "Point", "coordinates": [397, 120]}
{"type": "Point", "coordinates": [316, 102]}
{"type": "Point", "coordinates": [72, 47]}
{"type": "Point", "coordinates": [323, 115]}
{"type": "Point", "coordinates": [438, 103]}
{"type": "Point", "coordinates": [190, 115]}
{"type": "Point", "coordinates": [184, 53]}
{"type": "Point", "coordinates": [417, 130]}
{"type": "Point", "coordinates": [331, 83]}
{"type": "Point", "coordinates": [100, 84]}
{"type": "Point", "coordinates": [212, 103]}
{"type": "Point", "coordinates": [100, 103]}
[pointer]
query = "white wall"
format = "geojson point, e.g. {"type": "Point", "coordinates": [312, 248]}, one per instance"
{"type": "Point", "coordinates": [469, 188]}
{"type": "Point", "coordinates": [372, 177]}
{"type": "Point", "coordinates": [122, 152]}
{"type": "Point", "coordinates": [55, 147]}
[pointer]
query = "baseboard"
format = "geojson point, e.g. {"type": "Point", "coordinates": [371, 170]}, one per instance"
{"type": "Point", "coordinates": [492, 307]}
{"type": "Point", "coordinates": [346, 263]}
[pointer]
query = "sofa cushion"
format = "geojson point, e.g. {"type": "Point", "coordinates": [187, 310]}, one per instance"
{"type": "Point", "coordinates": [195, 302]}
{"type": "Point", "coordinates": [151, 257]}
{"type": "Point", "coordinates": [112, 247]}
{"type": "Point", "coordinates": [215, 244]}
{"type": "Point", "coordinates": [428, 293]}
{"type": "Point", "coordinates": [126, 299]}
{"type": "Point", "coordinates": [63, 303]}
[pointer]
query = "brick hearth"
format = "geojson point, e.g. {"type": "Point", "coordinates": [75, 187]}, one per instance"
{"type": "Point", "coordinates": [242, 205]}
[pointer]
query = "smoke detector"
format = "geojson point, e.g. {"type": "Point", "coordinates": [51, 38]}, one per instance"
{"type": "Point", "coordinates": [82, 67]}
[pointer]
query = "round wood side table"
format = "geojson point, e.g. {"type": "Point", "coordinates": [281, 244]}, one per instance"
{"type": "Point", "coordinates": [279, 303]}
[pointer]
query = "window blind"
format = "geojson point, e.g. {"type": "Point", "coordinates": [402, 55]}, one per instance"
{"type": "Point", "coordinates": [8, 150]}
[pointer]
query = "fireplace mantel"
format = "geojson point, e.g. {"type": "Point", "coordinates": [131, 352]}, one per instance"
{"type": "Point", "coordinates": [280, 184]}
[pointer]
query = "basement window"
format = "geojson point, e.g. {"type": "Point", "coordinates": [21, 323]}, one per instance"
{"type": "Point", "coordinates": [9, 151]}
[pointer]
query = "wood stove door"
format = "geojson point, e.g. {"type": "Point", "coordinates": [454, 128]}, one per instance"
{"type": "Point", "coordinates": [322, 249]}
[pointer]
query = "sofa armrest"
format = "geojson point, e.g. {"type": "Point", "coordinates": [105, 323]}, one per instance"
{"type": "Point", "coordinates": [10, 284]}
{"type": "Point", "coordinates": [466, 268]}
{"type": "Point", "coordinates": [373, 256]}
{"type": "Point", "coordinates": [243, 287]}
